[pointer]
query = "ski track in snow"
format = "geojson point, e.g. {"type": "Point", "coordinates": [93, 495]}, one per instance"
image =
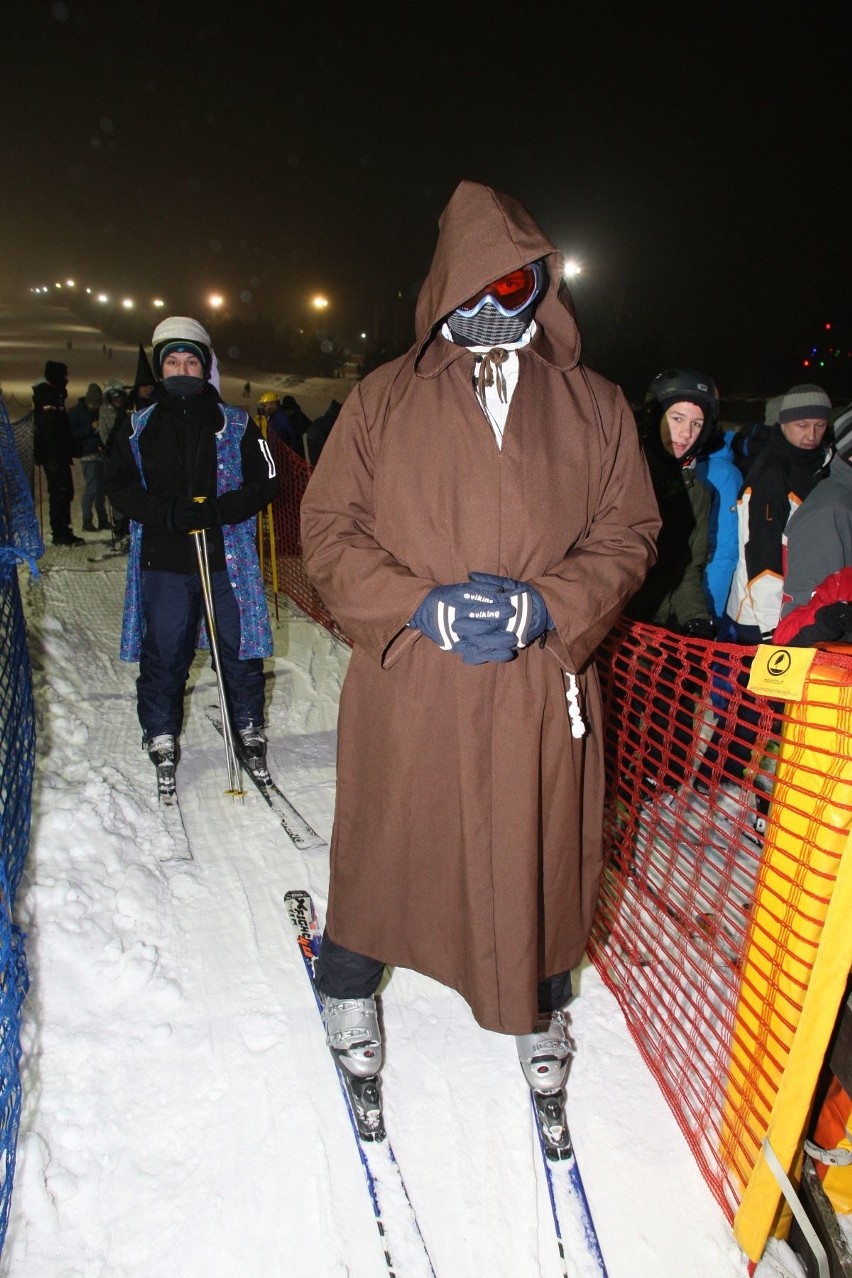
{"type": "Point", "coordinates": [181, 1114]}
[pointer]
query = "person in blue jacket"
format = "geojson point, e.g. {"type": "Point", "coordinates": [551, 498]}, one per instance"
{"type": "Point", "coordinates": [718, 469]}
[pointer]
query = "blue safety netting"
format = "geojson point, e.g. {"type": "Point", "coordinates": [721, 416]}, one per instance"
{"type": "Point", "coordinates": [20, 541]}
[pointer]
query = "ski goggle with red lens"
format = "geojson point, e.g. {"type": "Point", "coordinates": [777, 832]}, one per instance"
{"type": "Point", "coordinates": [510, 294]}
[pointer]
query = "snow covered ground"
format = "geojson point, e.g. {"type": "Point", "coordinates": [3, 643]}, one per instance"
{"type": "Point", "coordinates": [181, 1114]}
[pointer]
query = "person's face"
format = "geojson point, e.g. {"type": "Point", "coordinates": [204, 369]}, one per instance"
{"type": "Point", "coordinates": [182, 364]}
{"type": "Point", "coordinates": [680, 427]}
{"type": "Point", "coordinates": [808, 433]}
{"type": "Point", "coordinates": [145, 392]}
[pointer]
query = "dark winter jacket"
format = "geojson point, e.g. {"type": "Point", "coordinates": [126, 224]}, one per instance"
{"type": "Point", "coordinates": [290, 424]}
{"type": "Point", "coordinates": [52, 433]}
{"type": "Point", "coordinates": [777, 483]}
{"type": "Point", "coordinates": [319, 431]}
{"type": "Point", "coordinates": [178, 453]}
{"type": "Point", "coordinates": [673, 592]}
{"type": "Point", "coordinates": [86, 440]}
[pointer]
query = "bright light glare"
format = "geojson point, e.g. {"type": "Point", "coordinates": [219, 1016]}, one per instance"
{"type": "Point", "coordinates": [319, 303]}
{"type": "Point", "coordinates": [215, 300]}
{"type": "Point", "coordinates": [70, 283]}
{"type": "Point", "coordinates": [158, 301]}
{"type": "Point", "coordinates": [127, 303]}
{"type": "Point", "coordinates": [572, 269]}
{"type": "Point", "coordinates": [102, 297]}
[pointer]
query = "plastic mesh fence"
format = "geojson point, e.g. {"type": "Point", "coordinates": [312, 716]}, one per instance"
{"type": "Point", "coordinates": [19, 539]}
{"type": "Point", "coordinates": [291, 579]}
{"type": "Point", "coordinates": [710, 911]}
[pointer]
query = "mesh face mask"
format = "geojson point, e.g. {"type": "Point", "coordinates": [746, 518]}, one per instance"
{"type": "Point", "coordinates": [500, 312]}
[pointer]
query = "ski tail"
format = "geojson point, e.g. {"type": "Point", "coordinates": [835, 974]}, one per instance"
{"type": "Point", "coordinates": [294, 825]}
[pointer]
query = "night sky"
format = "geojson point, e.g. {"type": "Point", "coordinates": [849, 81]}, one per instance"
{"type": "Point", "coordinates": [698, 169]}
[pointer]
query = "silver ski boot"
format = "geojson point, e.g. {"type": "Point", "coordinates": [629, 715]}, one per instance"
{"type": "Point", "coordinates": [352, 1032]}
{"type": "Point", "coordinates": [545, 1055]}
{"type": "Point", "coordinates": [253, 740]}
{"type": "Point", "coordinates": [164, 752]}
{"type": "Point", "coordinates": [162, 749]}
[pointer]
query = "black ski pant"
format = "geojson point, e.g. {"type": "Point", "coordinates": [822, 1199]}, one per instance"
{"type": "Point", "coordinates": [60, 492]}
{"type": "Point", "coordinates": [172, 608]}
{"type": "Point", "coordinates": [342, 973]}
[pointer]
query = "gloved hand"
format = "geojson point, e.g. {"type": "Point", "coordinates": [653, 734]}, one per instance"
{"type": "Point", "coordinates": [699, 628]}
{"type": "Point", "coordinates": [498, 645]}
{"type": "Point", "coordinates": [451, 614]}
{"type": "Point", "coordinates": [188, 516]}
{"type": "Point", "coordinates": [530, 618]}
{"type": "Point", "coordinates": [832, 623]}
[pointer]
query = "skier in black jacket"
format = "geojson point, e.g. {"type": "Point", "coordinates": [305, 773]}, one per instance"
{"type": "Point", "coordinates": [53, 451]}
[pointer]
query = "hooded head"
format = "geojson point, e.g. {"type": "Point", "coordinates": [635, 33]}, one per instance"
{"type": "Point", "coordinates": [500, 312]}
{"type": "Point", "coordinates": [180, 333]}
{"type": "Point", "coordinates": [483, 237]}
{"type": "Point", "coordinates": [56, 373]}
{"type": "Point", "coordinates": [94, 396]}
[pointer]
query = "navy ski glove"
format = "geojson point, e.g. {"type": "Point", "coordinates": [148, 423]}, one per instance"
{"type": "Point", "coordinates": [499, 645]}
{"type": "Point", "coordinates": [451, 614]}
{"type": "Point", "coordinates": [188, 516]}
{"type": "Point", "coordinates": [530, 616]}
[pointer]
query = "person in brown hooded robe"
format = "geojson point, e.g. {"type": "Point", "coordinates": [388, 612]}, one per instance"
{"type": "Point", "coordinates": [467, 837]}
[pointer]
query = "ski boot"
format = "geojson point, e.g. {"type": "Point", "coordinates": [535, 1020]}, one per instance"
{"type": "Point", "coordinates": [352, 1033]}
{"type": "Point", "coordinates": [253, 748]}
{"type": "Point", "coordinates": [545, 1057]}
{"type": "Point", "coordinates": [163, 751]}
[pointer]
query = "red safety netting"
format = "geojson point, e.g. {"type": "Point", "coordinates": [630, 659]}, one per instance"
{"type": "Point", "coordinates": [287, 574]}
{"type": "Point", "coordinates": [691, 762]}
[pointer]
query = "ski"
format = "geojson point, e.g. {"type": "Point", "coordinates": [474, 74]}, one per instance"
{"type": "Point", "coordinates": [396, 1221]}
{"type": "Point", "coordinates": [572, 1218]}
{"type": "Point", "coordinates": [171, 813]}
{"type": "Point", "coordinates": [294, 825]}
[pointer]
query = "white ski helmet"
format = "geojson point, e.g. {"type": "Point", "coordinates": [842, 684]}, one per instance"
{"type": "Point", "coordinates": [180, 332]}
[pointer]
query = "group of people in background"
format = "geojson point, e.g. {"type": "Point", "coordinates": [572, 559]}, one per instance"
{"type": "Point", "coordinates": [86, 431]}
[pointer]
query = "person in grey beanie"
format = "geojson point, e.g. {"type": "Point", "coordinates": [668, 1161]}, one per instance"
{"type": "Point", "coordinates": [784, 473]}
{"type": "Point", "coordinates": [88, 446]}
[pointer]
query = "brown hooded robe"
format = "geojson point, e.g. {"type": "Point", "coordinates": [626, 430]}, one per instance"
{"type": "Point", "coordinates": [467, 830]}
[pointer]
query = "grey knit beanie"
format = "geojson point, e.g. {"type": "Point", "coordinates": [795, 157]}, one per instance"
{"type": "Point", "coordinates": [805, 403]}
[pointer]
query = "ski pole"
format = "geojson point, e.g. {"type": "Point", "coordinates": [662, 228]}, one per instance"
{"type": "Point", "coordinates": [207, 592]}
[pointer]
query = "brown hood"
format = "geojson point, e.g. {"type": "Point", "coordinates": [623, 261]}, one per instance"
{"type": "Point", "coordinates": [483, 234]}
